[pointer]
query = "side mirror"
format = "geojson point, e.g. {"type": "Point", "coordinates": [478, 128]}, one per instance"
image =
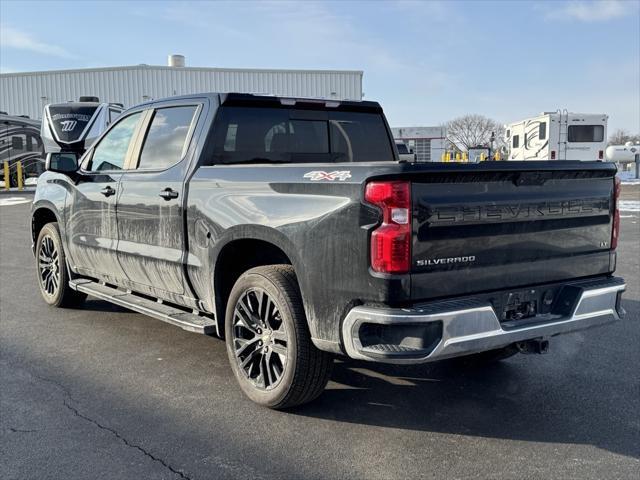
{"type": "Point", "coordinates": [61, 162]}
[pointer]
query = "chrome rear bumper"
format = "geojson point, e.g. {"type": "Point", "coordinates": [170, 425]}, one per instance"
{"type": "Point", "coordinates": [462, 327]}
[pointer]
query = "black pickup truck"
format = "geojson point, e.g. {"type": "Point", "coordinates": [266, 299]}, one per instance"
{"type": "Point", "coordinates": [290, 228]}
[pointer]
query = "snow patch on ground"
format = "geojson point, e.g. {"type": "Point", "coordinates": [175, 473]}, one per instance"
{"type": "Point", "coordinates": [629, 205]}
{"type": "Point", "coordinates": [9, 201]}
{"type": "Point", "coordinates": [628, 178]}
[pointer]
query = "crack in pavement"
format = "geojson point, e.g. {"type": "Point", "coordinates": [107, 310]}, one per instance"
{"type": "Point", "coordinates": [77, 413]}
{"type": "Point", "coordinates": [124, 440]}
{"type": "Point", "coordinates": [20, 430]}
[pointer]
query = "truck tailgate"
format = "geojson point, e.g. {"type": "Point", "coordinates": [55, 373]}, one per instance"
{"type": "Point", "coordinates": [477, 231]}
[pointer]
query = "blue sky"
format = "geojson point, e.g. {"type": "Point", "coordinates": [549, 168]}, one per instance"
{"type": "Point", "coordinates": [426, 62]}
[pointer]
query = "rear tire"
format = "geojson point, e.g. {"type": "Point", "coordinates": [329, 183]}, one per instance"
{"type": "Point", "coordinates": [53, 278]}
{"type": "Point", "coordinates": [268, 340]}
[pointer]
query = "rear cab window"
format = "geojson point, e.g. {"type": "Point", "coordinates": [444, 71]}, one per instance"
{"type": "Point", "coordinates": [246, 134]}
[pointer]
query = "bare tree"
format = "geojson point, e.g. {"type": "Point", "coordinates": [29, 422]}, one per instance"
{"type": "Point", "coordinates": [622, 136]}
{"type": "Point", "coordinates": [474, 130]}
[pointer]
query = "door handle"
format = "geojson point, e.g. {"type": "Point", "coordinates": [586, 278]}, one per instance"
{"type": "Point", "coordinates": [108, 191]}
{"type": "Point", "coordinates": [168, 194]}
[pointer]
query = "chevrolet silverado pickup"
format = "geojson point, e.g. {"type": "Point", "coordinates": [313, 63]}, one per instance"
{"type": "Point", "coordinates": [291, 228]}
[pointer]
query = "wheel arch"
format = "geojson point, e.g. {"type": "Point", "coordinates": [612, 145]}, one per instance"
{"type": "Point", "coordinates": [243, 249]}
{"type": "Point", "coordinates": [42, 214]}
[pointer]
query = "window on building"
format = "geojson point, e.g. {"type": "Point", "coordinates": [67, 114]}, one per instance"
{"type": "Point", "coordinates": [586, 133]}
{"type": "Point", "coordinates": [516, 141]}
{"type": "Point", "coordinates": [402, 148]}
{"type": "Point", "coordinates": [111, 152]}
{"type": "Point", "coordinates": [542, 131]}
{"type": "Point", "coordinates": [164, 144]}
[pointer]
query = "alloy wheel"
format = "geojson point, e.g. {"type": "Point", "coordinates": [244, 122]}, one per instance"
{"type": "Point", "coordinates": [259, 339]}
{"type": "Point", "coordinates": [49, 266]}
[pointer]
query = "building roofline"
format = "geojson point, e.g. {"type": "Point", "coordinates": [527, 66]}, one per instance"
{"type": "Point", "coordinates": [191, 69]}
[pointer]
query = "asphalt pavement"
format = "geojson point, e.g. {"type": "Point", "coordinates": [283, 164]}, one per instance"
{"type": "Point", "coordinates": [104, 393]}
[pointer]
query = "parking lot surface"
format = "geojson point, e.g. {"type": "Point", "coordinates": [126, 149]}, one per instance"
{"type": "Point", "coordinates": [104, 393]}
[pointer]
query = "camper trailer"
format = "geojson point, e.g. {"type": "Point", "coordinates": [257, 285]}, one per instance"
{"type": "Point", "coordinates": [559, 135]}
{"type": "Point", "coordinates": [74, 126]}
{"type": "Point", "coordinates": [20, 142]}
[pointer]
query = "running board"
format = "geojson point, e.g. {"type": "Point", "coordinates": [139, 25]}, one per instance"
{"type": "Point", "coordinates": [175, 316]}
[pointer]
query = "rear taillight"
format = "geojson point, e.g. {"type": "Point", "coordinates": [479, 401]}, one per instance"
{"type": "Point", "coordinates": [615, 230]}
{"type": "Point", "coordinates": [391, 240]}
{"type": "Point", "coordinates": [553, 154]}
{"type": "Point", "coordinates": [600, 154]}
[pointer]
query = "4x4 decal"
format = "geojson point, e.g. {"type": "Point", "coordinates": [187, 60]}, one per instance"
{"type": "Point", "coordinates": [318, 175]}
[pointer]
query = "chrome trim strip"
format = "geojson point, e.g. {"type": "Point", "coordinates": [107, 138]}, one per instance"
{"type": "Point", "coordinates": [477, 329]}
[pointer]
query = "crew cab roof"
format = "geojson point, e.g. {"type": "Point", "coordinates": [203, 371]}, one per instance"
{"type": "Point", "coordinates": [249, 99]}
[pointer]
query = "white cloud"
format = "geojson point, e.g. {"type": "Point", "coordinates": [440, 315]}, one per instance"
{"type": "Point", "coordinates": [13, 38]}
{"type": "Point", "coordinates": [592, 10]}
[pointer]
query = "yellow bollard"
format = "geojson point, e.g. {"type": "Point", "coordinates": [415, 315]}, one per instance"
{"type": "Point", "coordinates": [496, 157]}
{"type": "Point", "coordinates": [447, 157]}
{"type": "Point", "coordinates": [19, 171]}
{"type": "Point", "coordinates": [465, 157]}
{"type": "Point", "coordinates": [443, 157]}
{"type": "Point", "coordinates": [7, 179]}
{"type": "Point", "coordinates": [482, 157]}
{"type": "Point", "coordinates": [458, 158]}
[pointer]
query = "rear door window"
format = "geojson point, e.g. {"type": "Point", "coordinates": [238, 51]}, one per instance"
{"type": "Point", "coordinates": [586, 133]}
{"type": "Point", "coordinates": [165, 142]}
{"type": "Point", "coordinates": [516, 141]}
{"type": "Point", "coordinates": [262, 135]}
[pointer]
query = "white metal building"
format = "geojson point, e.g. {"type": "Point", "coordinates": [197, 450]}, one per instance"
{"type": "Point", "coordinates": [27, 93]}
{"type": "Point", "coordinates": [428, 143]}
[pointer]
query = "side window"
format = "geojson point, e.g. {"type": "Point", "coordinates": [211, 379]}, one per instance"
{"type": "Point", "coordinates": [516, 141]}
{"type": "Point", "coordinates": [542, 131]}
{"type": "Point", "coordinates": [113, 114]}
{"type": "Point", "coordinates": [111, 152]}
{"type": "Point", "coordinates": [586, 133]}
{"type": "Point", "coordinates": [165, 141]}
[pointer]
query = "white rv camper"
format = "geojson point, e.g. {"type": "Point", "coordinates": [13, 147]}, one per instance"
{"type": "Point", "coordinates": [558, 136]}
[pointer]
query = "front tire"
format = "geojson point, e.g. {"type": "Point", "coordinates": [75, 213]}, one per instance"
{"type": "Point", "coordinates": [53, 278]}
{"type": "Point", "coordinates": [268, 340]}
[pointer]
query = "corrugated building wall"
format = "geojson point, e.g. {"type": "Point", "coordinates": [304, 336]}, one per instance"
{"type": "Point", "coordinates": [27, 93]}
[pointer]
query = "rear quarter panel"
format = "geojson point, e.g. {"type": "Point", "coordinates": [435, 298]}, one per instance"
{"type": "Point", "coordinates": [321, 225]}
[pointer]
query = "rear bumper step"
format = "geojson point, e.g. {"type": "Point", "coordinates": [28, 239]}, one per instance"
{"type": "Point", "coordinates": [456, 328]}
{"type": "Point", "coordinates": [175, 316]}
